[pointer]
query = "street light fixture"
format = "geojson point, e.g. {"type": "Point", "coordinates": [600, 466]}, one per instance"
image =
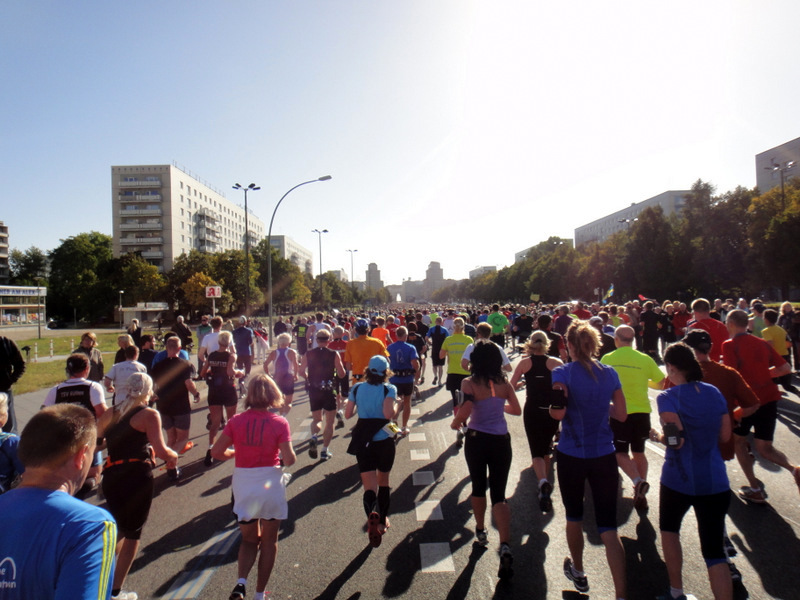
{"type": "Point", "coordinates": [250, 188]}
{"type": "Point", "coordinates": [352, 281]}
{"type": "Point", "coordinates": [319, 234]}
{"type": "Point", "coordinates": [121, 323]}
{"type": "Point", "coordinates": [627, 221]}
{"type": "Point", "coordinates": [269, 242]}
{"type": "Point", "coordinates": [782, 170]}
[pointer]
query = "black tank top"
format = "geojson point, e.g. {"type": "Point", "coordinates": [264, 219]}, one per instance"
{"type": "Point", "coordinates": [218, 370]}
{"type": "Point", "coordinates": [75, 394]}
{"type": "Point", "coordinates": [124, 442]}
{"type": "Point", "coordinates": [538, 382]}
{"type": "Point", "coordinates": [321, 366]}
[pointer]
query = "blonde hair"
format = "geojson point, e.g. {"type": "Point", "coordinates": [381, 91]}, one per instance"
{"type": "Point", "coordinates": [225, 338]}
{"type": "Point", "coordinates": [585, 341]}
{"type": "Point", "coordinates": [284, 340]}
{"type": "Point", "coordinates": [538, 343]}
{"type": "Point", "coordinates": [140, 388]}
{"type": "Point", "coordinates": [125, 338]}
{"type": "Point", "coordinates": [263, 393]}
{"type": "Point", "coordinates": [3, 403]}
{"type": "Point", "coordinates": [458, 325]}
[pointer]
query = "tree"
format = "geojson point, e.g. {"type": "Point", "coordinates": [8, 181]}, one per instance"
{"type": "Point", "coordinates": [184, 267]}
{"type": "Point", "coordinates": [141, 281]}
{"type": "Point", "coordinates": [27, 266]}
{"type": "Point", "coordinates": [288, 282]}
{"type": "Point", "coordinates": [194, 292]}
{"type": "Point", "coordinates": [229, 270]}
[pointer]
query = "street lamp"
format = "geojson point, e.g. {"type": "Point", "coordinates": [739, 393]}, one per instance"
{"type": "Point", "coordinates": [250, 188]}
{"type": "Point", "coordinates": [121, 324]}
{"type": "Point", "coordinates": [269, 242]}
{"type": "Point", "coordinates": [352, 281]}
{"type": "Point", "coordinates": [627, 221]}
{"type": "Point", "coordinates": [39, 304]}
{"type": "Point", "coordinates": [319, 233]}
{"type": "Point", "coordinates": [781, 169]}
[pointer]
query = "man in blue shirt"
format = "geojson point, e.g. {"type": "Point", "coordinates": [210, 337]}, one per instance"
{"type": "Point", "coordinates": [55, 546]}
{"type": "Point", "coordinates": [404, 362]}
{"type": "Point", "coordinates": [245, 341]}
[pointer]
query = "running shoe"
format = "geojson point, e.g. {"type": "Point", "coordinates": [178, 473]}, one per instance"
{"type": "Point", "coordinates": [482, 537]}
{"type": "Point", "coordinates": [209, 461]}
{"type": "Point", "coordinates": [339, 420]}
{"type": "Point", "coordinates": [434, 381]}
{"type": "Point", "coordinates": [581, 582]}
{"type": "Point", "coordinates": [405, 431]}
{"type": "Point", "coordinates": [545, 501]}
{"type": "Point", "coordinates": [238, 592]}
{"type": "Point", "coordinates": [326, 455]}
{"type": "Point", "coordinates": [459, 438]}
{"type": "Point", "coordinates": [421, 380]}
{"type": "Point", "coordinates": [736, 575]}
{"type": "Point", "coordinates": [126, 596]}
{"type": "Point", "coordinates": [189, 445]}
{"type": "Point", "coordinates": [312, 447]}
{"type": "Point", "coordinates": [639, 495]}
{"type": "Point", "coordinates": [174, 474]}
{"type": "Point", "coordinates": [730, 549]}
{"type": "Point", "coordinates": [506, 560]}
{"type": "Point", "coordinates": [373, 532]}
{"type": "Point", "coordinates": [754, 496]}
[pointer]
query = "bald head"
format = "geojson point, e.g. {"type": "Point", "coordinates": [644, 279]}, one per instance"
{"type": "Point", "coordinates": [624, 335]}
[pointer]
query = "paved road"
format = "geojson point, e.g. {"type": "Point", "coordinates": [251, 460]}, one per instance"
{"type": "Point", "coordinates": [189, 545]}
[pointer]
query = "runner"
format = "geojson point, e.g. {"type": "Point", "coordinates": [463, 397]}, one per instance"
{"type": "Point", "coordinates": [436, 336]}
{"type": "Point", "coordinates": [453, 348]}
{"type": "Point", "coordinates": [404, 362]}
{"type": "Point", "coordinates": [285, 369]}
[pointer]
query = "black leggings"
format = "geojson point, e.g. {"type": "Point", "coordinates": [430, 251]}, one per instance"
{"type": "Point", "coordinates": [603, 478]}
{"type": "Point", "coordinates": [710, 511]}
{"type": "Point", "coordinates": [488, 451]}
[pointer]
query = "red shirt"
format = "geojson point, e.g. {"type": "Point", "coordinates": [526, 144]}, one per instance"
{"type": "Point", "coordinates": [679, 321]}
{"type": "Point", "coordinates": [753, 357]}
{"type": "Point", "coordinates": [718, 333]}
{"type": "Point", "coordinates": [257, 435]}
{"type": "Point", "coordinates": [583, 314]}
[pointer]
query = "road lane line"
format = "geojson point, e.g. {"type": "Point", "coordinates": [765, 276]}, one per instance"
{"type": "Point", "coordinates": [189, 584]}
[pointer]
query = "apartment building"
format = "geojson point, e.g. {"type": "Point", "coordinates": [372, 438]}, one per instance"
{"type": "Point", "coordinates": [163, 211]}
{"type": "Point", "coordinates": [290, 250]}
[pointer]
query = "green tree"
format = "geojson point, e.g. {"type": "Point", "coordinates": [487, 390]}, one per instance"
{"type": "Point", "coordinates": [27, 265]}
{"type": "Point", "coordinates": [184, 267]}
{"type": "Point", "coordinates": [141, 281]}
{"type": "Point", "coordinates": [289, 285]}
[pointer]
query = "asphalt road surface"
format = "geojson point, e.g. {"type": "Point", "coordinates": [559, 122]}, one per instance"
{"type": "Point", "coordinates": [189, 545]}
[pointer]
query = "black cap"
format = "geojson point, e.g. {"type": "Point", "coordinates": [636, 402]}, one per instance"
{"type": "Point", "coordinates": [699, 339]}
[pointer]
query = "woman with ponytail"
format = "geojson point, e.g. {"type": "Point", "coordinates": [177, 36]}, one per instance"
{"type": "Point", "coordinates": [132, 432]}
{"type": "Point", "coordinates": [585, 394]}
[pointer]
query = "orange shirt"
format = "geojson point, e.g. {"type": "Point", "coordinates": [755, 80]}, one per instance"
{"type": "Point", "coordinates": [382, 335]}
{"type": "Point", "coordinates": [360, 350]}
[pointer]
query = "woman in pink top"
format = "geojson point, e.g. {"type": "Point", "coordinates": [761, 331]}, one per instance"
{"type": "Point", "coordinates": [259, 438]}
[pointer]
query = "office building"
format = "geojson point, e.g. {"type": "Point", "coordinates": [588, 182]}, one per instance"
{"type": "Point", "coordinates": [779, 162]}
{"type": "Point", "coordinates": [163, 211]}
{"type": "Point", "coordinates": [477, 272]}
{"type": "Point", "coordinates": [290, 250]}
{"type": "Point", "coordinates": [373, 277]}
{"type": "Point", "coordinates": [671, 202]}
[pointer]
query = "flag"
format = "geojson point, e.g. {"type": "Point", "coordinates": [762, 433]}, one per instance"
{"type": "Point", "coordinates": [609, 293]}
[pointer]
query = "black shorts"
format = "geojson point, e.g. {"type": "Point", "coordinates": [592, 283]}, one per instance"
{"type": "Point", "coordinates": [222, 396]}
{"type": "Point", "coordinates": [285, 382]}
{"type": "Point", "coordinates": [404, 389]}
{"type": "Point", "coordinates": [603, 478]}
{"type": "Point", "coordinates": [436, 361]}
{"type": "Point", "coordinates": [244, 362]}
{"type": "Point", "coordinates": [128, 489]}
{"type": "Point", "coordinates": [631, 433]}
{"type": "Point", "coordinates": [486, 452]}
{"type": "Point", "coordinates": [710, 511]}
{"type": "Point", "coordinates": [453, 383]}
{"type": "Point", "coordinates": [499, 339]}
{"type": "Point", "coordinates": [540, 429]}
{"type": "Point", "coordinates": [377, 456]}
{"type": "Point", "coordinates": [320, 399]}
{"type": "Point", "coordinates": [762, 422]}
{"type": "Point", "coordinates": [341, 385]}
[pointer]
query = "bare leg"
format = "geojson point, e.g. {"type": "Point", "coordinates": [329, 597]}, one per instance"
{"type": "Point", "coordinates": [673, 556]}
{"type": "Point", "coordinates": [126, 552]}
{"type": "Point", "coordinates": [406, 410]}
{"type": "Point", "coordinates": [575, 543]}
{"type": "Point", "coordinates": [628, 466]}
{"type": "Point", "coordinates": [502, 519]}
{"type": "Point", "coordinates": [721, 584]}
{"type": "Point", "coordinates": [215, 414]}
{"type": "Point", "coordinates": [316, 422]}
{"type": "Point", "coordinates": [745, 460]}
{"type": "Point", "coordinates": [287, 404]}
{"type": "Point", "coordinates": [248, 548]}
{"type": "Point", "coordinates": [327, 433]}
{"type": "Point", "coordinates": [269, 550]}
{"type": "Point", "coordinates": [615, 555]}
{"type": "Point", "coordinates": [479, 510]}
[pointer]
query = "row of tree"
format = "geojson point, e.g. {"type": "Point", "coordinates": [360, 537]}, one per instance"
{"type": "Point", "coordinates": [84, 280]}
{"type": "Point", "coordinates": [739, 243]}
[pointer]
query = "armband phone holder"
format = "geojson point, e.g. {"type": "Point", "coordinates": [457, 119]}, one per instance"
{"type": "Point", "coordinates": [672, 435]}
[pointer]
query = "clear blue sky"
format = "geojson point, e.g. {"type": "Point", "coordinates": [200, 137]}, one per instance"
{"type": "Point", "coordinates": [455, 131]}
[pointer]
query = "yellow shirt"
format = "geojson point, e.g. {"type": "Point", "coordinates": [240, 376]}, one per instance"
{"type": "Point", "coordinates": [776, 336]}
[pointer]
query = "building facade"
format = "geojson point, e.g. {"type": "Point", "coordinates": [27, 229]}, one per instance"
{"type": "Point", "coordinates": [373, 277]}
{"type": "Point", "coordinates": [780, 161]}
{"type": "Point", "coordinates": [5, 270]}
{"type": "Point", "coordinates": [475, 273]}
{"type": "Point", "coordinates": [162, 211]}
{"type": "Point", "coordinates": [23, 305]}
{"type": "Point", "coordinates": [290, 250]}
{"type": "Point", "coordinates": [671, 202]}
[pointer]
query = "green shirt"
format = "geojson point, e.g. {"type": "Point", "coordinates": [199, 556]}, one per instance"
{"type": "Point", "coordinates": [455, 345]}
{"type": "Point", "coordinates": [635, 369]}
{"type": "Point", "coordinates": [498, 321]}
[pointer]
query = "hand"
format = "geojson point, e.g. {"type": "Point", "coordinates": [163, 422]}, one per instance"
{"type": "Point", "coordinates": [456, 425]}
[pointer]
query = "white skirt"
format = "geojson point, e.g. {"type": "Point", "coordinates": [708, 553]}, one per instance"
{"type": "Point", "coordinates": [259, 493]}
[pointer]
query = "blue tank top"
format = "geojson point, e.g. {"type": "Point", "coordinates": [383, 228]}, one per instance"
{"type": "Point", "coordinates": [282, 362]}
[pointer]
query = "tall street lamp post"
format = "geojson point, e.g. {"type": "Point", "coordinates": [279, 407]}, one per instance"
{"type": "Point", "coordinates": [39, 304]}
{"type": "Point", "coordinates": [269, 242]}
{"type": "Point", "coordinates": [781, 170]}
{"type": "Point", "coordinates": [352, 281]}
{"type": "Point", "coordinates": [321, 289]}
{"type": "Point", "coordinates": [121, 323]}
{"type": "Point", "coordinates": [250, 188]}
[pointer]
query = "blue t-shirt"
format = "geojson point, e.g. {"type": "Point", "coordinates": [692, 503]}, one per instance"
{"type": "Point", "coordinates": [586, 430]}
{"type": "Point", "coordinates": [400, 356]}
{"type": "Point", "coordinates": [56, 547]}
{"type": "Point", "coordinates": [163, 354]}
{"type": "Point", "coordinates": [10, 465]}
{"type": "Point", "coordinates": [243, 340]}
{"type": "Point", "coordinates": [697, 468]}
{"type": "Point", "coordinates": [369, 399]}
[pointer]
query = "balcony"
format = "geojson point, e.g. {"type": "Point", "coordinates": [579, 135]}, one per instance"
{"type": "Point", "coordinates": [147, 226]}
{"type": "Point", "coordinates": [141, 212]}
{"type": "Point", "coordinates": [129, 241]}
{"type": "Point", "coordinates": [140, 184]}
{"type": "Point", "coordinates": [140, 197]}
{"type": "Point", "coordinates": [152, 254]}
{"type": "Point", "coordinates": [207, 248]}
{"type": "Point", "coordinates": [205, 214]}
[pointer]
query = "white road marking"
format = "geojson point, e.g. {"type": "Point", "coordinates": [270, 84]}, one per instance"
{"type": "Point", "coordinates": [428, 510]}
{"type": "Point", "coordinates": [436, 558]}
{"type": "Point", "coordinates": [420, 454]}
{"type": "Point", "coordinates": [422, 478]}
{"type": "Point", "coordinates": [416, 437]}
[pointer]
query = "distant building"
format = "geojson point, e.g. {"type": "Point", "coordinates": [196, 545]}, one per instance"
{"type": "Point", "coordinates": [162, 211]}
{"type": "Point", "coordinates": [296, 254]}
{"type": "Point", "coordinates": [23, 305]}
{"type": "Point", "coordinates": [5, 270]}
{"type": "Point", "coordinates": [780, 160]}
{"type": "Point", "coordinates": [373, 277]}
{"type": "Point", "coordinates": [523, 254]}
{"type": "Point", "coordinates": [475, 273]}
{"type": "Point", "coordinates": [434, 277]}
{"type": "Point", "coordinates": [671, 202]}
{"type": "Point", "coordinates": [340, 274]}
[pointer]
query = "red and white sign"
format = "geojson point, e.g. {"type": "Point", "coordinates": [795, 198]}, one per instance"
{"type": "Point", "coordinates": [214, 291]}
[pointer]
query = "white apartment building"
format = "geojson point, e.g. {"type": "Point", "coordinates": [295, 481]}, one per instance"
{"type": "Point", "coordinates": [777, 164]}
{"type": "Point", "coordinates": [290, 250]}
{"type": "Point", "coordinates": [478, 271]}
{"type": "Point", "coordinates": [163, 211]}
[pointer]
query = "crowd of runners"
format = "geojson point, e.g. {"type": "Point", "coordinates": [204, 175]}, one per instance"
{"type": "Point", "coordinates": [585, 370]}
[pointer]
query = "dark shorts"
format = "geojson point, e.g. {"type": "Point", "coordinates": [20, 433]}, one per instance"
{"type": "Point", "coordinates": [222, 396]}
{"type": "Point", "coordinates": [128, 489]}
{"type": "Point", "coordinates": [436, 361]}
{"type": "Point", "coordinates": [341, 385]}
{"type": "Point", "coordinates": [540, 429]}
{"type": "Point", "coordinates": [244, 362]}
{"type": "Point", "coordinates": [453, 384]}
{"type": "Point", "coordinates": [499, 339]}
{"type": "Point", "coordinates": [176, 421]}
{"type": "Point", "coordinates": [710, 511]}
{"type": "Point", "coordinates": [762, 422]}
{"type": "Point", "coordinates": [631, 433]}
{"type": "Point", "coordinates": [603, 478]}
{"type": "Point", "coordinates": [321, 399]}
{"type": "Point", "coordinates": [404, 389]}
{"type": "Point", "coordinates": [285, 383]}
{"type": "Point", "coordinates": [377, 456]}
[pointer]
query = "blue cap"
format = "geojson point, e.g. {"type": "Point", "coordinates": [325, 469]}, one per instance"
{"type": "Point", "coordinates": [378, 365]}
{"type": "Point", "coordinates": [362, 324]}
